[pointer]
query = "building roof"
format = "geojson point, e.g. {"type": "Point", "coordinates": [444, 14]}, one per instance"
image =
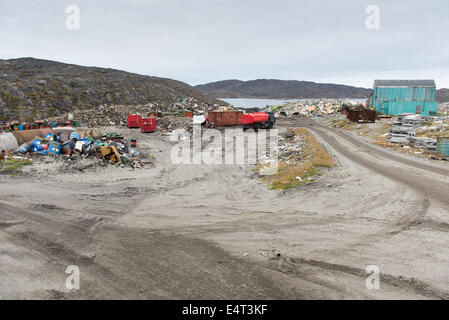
{"type": "Point", "coordinates": [404, 83]}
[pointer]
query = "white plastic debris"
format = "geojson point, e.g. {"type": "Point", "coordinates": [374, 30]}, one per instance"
{"type": "Point", "coordinates": [198, 119]}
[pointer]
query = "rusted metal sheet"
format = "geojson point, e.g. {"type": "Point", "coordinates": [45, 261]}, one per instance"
{"type": "Point", "coordinates": [28, 135]}
{"type": "Point", "coordinates": [360, 114]}
{"type": "Point", "coordinates": [352, 115]}
{"type": "Point", "coordinates": [224, 118]}
{"type": "Point", "coordinates": [366, 115]}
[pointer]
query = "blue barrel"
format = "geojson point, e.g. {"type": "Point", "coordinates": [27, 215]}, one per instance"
{"type": "Point", "coordinates": [36, 143]}
{"type": "Point", "coordinates": [54, 148]}
{"type": "Point", "coordinates": [37, 148]}
{"type": "Point", "coordinates": [24, 148]}
{"type": "Point", "coordinates": [443, 146]}
{"type": "Point", "coordinates": [75, 135]}
{"type": "Point", "coordinates": [50, 137]}
{"type": "Point", "coordinates": [21, 127]}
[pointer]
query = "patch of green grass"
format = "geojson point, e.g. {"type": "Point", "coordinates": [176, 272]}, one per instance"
{"type": "Point", "coordinates": [13, 166]}
{"type": "Point", "coordinates": [297, 183]}
{"type": "Point", "coordinates": [315, 157]}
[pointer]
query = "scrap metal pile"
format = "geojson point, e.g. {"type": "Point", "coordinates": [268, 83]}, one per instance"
{"type": "Point", "coordinates": [71, 144]}
{"type": "Point", "coordinates": [359, 113]}
{"type": "Point", "coordinates": [104, 115]}
{"type": "Point", "coordinates": [169, 123]}
{"type": "Point", "coordinates": [310, 108]}
{"type": "Point", "coordinates": [115, 115]}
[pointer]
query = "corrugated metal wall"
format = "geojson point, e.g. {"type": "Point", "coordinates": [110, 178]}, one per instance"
{"type": "Point", "coordinates": [391, 100]}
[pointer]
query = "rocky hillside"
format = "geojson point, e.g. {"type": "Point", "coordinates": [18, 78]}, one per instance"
{"type": "Point", "coordinates": [264, 88]}
{"type": "Point", "coordinates": [442, 95]}
{"type": "Point", "coordinates": [32, 88]}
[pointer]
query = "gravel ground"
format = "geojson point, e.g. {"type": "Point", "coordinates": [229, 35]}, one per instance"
{"type": "Point", "coordinates": [217, 232]}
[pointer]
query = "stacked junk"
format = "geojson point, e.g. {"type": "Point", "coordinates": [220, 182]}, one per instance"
{"type": "Point", "coordinates": [359, 113]}
{"type": "Point", "coordinates": [71, 144]}
{"type": "Point", "coordinates": [403, 131]}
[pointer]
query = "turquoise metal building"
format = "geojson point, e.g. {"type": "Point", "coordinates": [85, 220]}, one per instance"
{"type": "Point", "coordinates": [404, 96]}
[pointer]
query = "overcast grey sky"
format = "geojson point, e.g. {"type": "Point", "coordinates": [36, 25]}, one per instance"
{"type": "Point", "coordinates": [199, 41]}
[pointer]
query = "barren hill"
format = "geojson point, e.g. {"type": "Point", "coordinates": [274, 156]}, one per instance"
{"type": "Point", "coordinates": [442, 95]}
{"type": "Point", "coordinates": [39, 88]}
{"type": "Point", "coordinates": [268, 88]}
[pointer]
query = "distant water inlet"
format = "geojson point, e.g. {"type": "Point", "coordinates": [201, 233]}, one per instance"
{"type": "Point", "coordinates": [255, 103]}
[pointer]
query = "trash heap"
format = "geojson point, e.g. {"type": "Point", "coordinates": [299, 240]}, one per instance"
{"type": "Point", "coordinates": [190, 104]}
{"type": "Point", "coordinates": [443, 108]}
{"type": "Point", "coordinates": [169, 123]}
{"type": "Point", "coordinates": [116, 115]}
{"type": "Point", "coordinates": [309, 108]}
{"type": "Point", "coordinates": [105, 115]}
{"type": "Point", "coordinates": [290, 147]}
{"type": "Point", "coordinates": [71, 145]}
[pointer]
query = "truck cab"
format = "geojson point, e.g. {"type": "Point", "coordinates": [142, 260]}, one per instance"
{"type": "Point", "coordinates": [258, 120]}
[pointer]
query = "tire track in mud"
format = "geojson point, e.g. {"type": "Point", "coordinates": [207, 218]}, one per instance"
{"type": "Point", "coordinates": [411, 285]}
{"type": "Point", "coordinates": [391, 156]}
{"type": "Point", "coordinates": [95, 277]}
{"type": "Point", "coordinates": [129, 256]}
{"type": "Point", "coordinates": [413, 219]}
{"type": "Point", "coordinates": [413, 216]}
{"type": "Point", "coordinates": [424, 186]}
{"type": "Point", "coordinates": [135, 264]}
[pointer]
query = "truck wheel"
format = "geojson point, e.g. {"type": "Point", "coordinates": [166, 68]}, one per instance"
{"type": "Point", "coordinates": [257, 127]}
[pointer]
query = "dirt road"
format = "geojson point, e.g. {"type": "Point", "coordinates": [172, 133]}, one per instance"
{"type": "Point", "coordinates": [217, 231]}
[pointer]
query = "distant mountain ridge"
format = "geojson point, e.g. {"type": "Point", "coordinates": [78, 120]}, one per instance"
{"type": "Point", "coordinates": [280, 89]}
{"type": "Point", "coordinates": [35, 88]}
{"type": "Point", "coordinates": [442, 95]}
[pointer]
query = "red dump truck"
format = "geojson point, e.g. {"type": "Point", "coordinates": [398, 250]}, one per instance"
{"type": "Point", "coordinates": [257, 120]}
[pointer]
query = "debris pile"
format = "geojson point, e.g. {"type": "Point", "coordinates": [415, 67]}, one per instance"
{"type": "Point", "coordinates": [404, 130]}
{"type": "Point", "coordinates": [429, 144]}
{"type": "Point", "coordinates": [309, 108]}
{"type": "Point", "coordinates": [291, 146]}
{"type": "Point", "coordinates": [116, 115]}
{"type": "Point", "coordinates": [359, 113]}
{"type": "Point", "coordinates": [105, 115]}
{"type": "Point", "coordinates": [170, 123]}
{"type": "Point", "coordinates": [443, 108]}
{"type": "Point", "coordinates": [70, 145]}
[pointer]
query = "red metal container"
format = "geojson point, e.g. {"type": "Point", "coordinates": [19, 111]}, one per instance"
{"type": "Point", "coordinates": [249, 118]}
{"type": "Point", "coordinates": [148, 124]}
{"type": "Point", "coordinates": [188, 114]}
{"type": "Point", "coordinates": [224, 118]}
{"type": "Point", "coordinates": [134, 121]}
